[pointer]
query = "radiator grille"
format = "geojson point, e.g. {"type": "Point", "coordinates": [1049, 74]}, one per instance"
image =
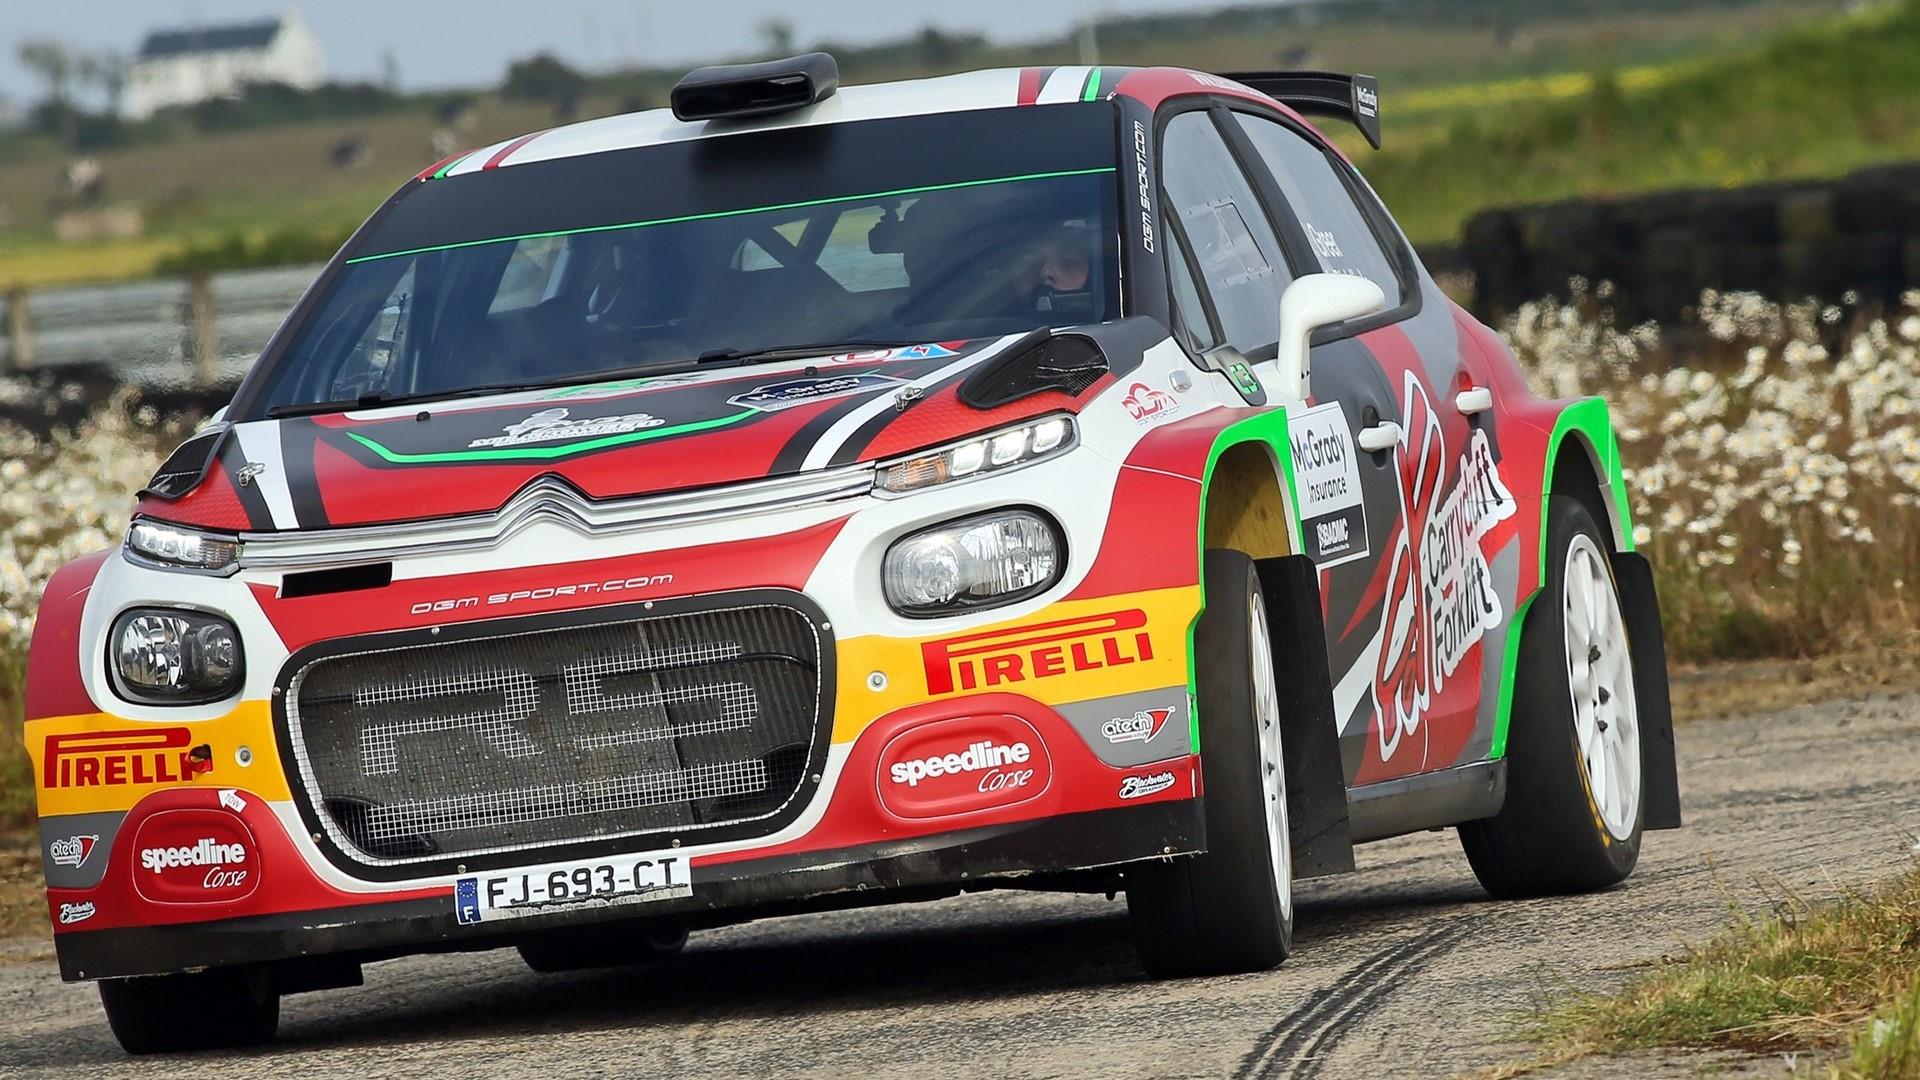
{"type": "Point", "coordinates": [548, 737]}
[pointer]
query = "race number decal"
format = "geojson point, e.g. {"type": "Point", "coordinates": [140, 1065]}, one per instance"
{"type": "Point", "coordinates": [1333, 518]}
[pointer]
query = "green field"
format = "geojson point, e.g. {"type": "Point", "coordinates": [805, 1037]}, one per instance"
{"type": "Point", "coordinates": [1815, 101]}
{"type": "Point", "coordinates": [1478, 113]}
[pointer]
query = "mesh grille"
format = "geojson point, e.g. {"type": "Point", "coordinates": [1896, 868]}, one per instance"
{"type": "Point", "coordinates": [547, 737]}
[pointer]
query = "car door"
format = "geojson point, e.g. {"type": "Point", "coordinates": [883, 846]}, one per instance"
{"type": "Point", "coordinates": [1350, 506]}
{"type": "Point", "coordinates": [1407, 624]}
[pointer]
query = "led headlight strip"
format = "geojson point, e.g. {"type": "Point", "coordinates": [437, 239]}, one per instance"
{"type": "Point", "coordinates": [174, 548]}
{"type": "Point", "coordinates": [996, 452]}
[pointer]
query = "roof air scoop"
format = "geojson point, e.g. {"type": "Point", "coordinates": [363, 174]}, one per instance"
{"type": "Point", "coordinates": [733, 91]}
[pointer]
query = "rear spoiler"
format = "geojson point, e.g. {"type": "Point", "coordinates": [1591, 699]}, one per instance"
{"type": "Point", "coordinates": [1353, 98]}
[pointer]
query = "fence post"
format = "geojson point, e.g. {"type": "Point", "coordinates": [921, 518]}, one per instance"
{"type": "Point", "coordinates": [202, 336]}
{"type": "Point", "coordinates": [19, 330]}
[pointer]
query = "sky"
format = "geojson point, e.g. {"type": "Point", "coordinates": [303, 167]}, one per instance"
{"type": "Point", "coordinates": [445, 43]}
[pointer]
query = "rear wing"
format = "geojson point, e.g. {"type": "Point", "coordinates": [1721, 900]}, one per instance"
{"type": "Point", "coordinates": [1353, 98]}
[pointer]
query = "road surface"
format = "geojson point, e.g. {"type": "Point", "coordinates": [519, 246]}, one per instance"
{"type": "Point", "coordinates": [1404, 968]}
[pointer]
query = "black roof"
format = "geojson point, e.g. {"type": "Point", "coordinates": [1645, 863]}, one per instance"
{"type": "Point", "coordinates": [254, 35]}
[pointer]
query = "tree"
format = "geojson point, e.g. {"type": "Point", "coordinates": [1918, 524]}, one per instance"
{"type": "Point", "coordinates": [543, 78]}
{"type": "Point", "coordinates": [51, 61]}
{"type": "Point", "coordinates": [777, 33]}
{"type": "Point", "coordinates": [107, 70]}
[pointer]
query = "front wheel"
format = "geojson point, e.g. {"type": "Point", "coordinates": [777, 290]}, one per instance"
{"type": "Point", "coordinates": [201, 1010]}
{"type": "Point", "coordinates": [1575, 801]}
{"type": "Point", "coordinates": [1231, 908]}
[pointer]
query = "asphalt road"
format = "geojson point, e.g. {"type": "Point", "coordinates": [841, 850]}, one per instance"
{"type": "Point", "coordinates": [1404, 968]}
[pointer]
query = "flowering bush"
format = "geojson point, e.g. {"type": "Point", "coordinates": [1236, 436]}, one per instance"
{"type": "Point", "coordinates": [1772, 458]}
{"type": "Point", "coordinates": [60, 497]}
{"type": "Point", "coordinates": [66, 495]}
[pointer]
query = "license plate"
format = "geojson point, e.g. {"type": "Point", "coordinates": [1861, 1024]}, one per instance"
{"type": "Point", "coordinates": [569, 886]}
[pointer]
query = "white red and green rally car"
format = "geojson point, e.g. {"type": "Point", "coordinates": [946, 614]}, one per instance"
{"type": "Point", "coordinates": [1061, 478]}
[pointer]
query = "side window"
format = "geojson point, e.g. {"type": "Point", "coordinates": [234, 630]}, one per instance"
{"type": "Point", "coordinates": [1189, 313]}
{"type": "Point", "coordinates": [1340, 235]}
{"type": "Point", "coordinates": [1240, 258]}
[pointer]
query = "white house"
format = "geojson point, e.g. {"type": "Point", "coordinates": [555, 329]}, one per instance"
{"type": "Point", "coordinates": [180, 67]}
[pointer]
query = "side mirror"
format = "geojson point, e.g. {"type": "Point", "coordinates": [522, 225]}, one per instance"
{"type": "Point", "coordinates": [1310, 303]}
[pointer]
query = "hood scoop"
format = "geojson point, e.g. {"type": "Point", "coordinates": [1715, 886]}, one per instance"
{"type": "Point", "coordinates": [1041, 361]}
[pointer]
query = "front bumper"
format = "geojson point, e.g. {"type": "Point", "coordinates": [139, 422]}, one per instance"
{"type": "Point", "coordinates": [899, 869]}
{"type": "Point", "coordinates": [1094, 675]}
{"type": "Point", "coordinates": [199, 875]}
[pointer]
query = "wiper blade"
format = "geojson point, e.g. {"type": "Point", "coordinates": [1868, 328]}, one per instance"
{"type": "Point", "coordinates": [793, 352]}
{"type": "Point", "coordinates": [382, 400]}
{"type": "Point", "coordinates": [710, 358]}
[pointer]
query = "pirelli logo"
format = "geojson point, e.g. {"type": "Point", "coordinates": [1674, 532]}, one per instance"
{"type": "Point", "coordinates": [1022, 653]}
{"type": "Point", "coordinates": [80, 759]}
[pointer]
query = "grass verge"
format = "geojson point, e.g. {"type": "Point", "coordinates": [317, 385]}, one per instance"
{"type": "Point", "coordinates": [1837, 976]}
{"type": "Point", "coordinates": [1888, 664]}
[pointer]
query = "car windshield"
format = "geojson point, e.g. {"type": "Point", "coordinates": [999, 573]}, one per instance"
{"type": "Point", "coordinates": [896, 231]}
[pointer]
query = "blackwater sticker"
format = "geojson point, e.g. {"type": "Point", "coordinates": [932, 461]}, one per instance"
{"type": "Point", "coordinates": [1139, 787]}
{"type": "Point", "coordinates": [1326, 470]}
{"type": "Point", "coordinates": [964, 765]}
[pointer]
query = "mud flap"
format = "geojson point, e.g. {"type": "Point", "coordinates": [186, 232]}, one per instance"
{"type": "Point", "coordinates": [1316, 780]}
{"type": "Point", "coordinates": [1658, 768]}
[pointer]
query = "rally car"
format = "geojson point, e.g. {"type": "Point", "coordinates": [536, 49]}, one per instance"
{"type": "Point", "coordinates": [1062, 478]}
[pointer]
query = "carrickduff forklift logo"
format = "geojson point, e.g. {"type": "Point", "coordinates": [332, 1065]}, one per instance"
{"type": "Point", "coordinates": [1441, 598]}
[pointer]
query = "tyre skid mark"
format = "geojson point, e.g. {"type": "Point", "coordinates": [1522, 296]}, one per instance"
{"type": "Point", "coordinates": [1297, 1045]}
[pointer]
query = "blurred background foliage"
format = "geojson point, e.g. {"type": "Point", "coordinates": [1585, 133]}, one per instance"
{"type": "Point", "coordinates": [1486, 102]}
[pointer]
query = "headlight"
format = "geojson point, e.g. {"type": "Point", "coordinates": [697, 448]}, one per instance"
{"type": "Point", "coordinates": [977, 562]}
{"type": "Point", "coordinates": [172, 546]}
{"type": "Point", "coordinates": [998, 452]}
{"type": "Point", "coordinates": [174, 657]}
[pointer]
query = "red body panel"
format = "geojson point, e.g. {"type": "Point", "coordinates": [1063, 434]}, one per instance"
{"type": "Point", "coordinates": [54, 687]}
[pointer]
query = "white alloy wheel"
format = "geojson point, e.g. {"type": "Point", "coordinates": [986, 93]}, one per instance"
{"type": "Point", "coordinates": [1273, 774]}
{"type": "Point", "coordinates": [1600, 678]}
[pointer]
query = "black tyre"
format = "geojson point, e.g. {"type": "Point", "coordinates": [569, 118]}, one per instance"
{"type": "Point", "coordinates": [202, 1010]}
{"type": "Point", "coordinates": [598, 947]}
{"type": "Point", "coordinates": [1231, 908]}
{"type": "Point", "coordinates": [1575, 800]}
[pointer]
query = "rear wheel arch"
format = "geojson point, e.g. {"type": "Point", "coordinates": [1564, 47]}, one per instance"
{"type": "Point", "coordinates": [1583, 462]}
